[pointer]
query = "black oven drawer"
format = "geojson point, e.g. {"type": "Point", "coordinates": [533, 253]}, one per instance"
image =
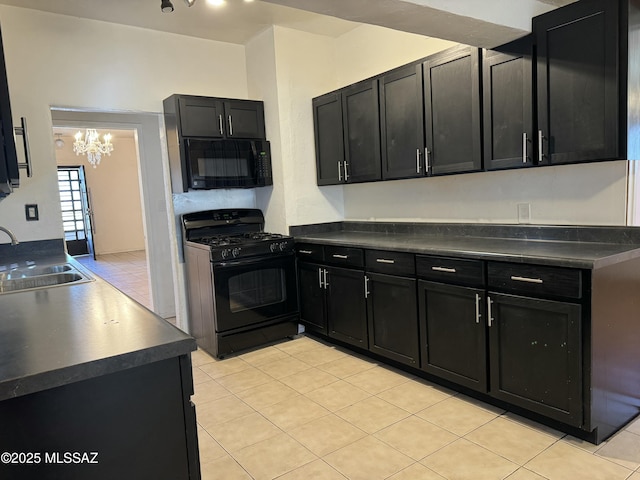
{"type": "Point", "coordinates": [390, 263]}
{"type": "Point", "coordinates": [457, 271]}
{"type": "Point", "coordinates": [310, 252]}
{"type": "Point", "coordinates": [535, 280]}
{"type": "Point", "coordinates": [344, 256]}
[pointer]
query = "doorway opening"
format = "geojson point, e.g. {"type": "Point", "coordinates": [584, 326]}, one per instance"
{"type": "Point", "coordinates": [76, 211]}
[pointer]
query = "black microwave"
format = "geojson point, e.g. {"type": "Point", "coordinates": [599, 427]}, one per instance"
{"type": "Point", "coordinates": [228, 163]}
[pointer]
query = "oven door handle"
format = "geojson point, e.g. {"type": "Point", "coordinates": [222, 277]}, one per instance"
{"type": "Point", "coordinates": [255, 260]}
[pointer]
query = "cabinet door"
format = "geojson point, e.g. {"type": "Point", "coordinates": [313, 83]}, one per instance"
{"type": "Point", "coordinates": [201, 117]}
{"type": "Point", "coordinates": [361, 122]}
{"type": "Point", "coordinates": [327, 123]}
{"type": "Point", "coordinates": [392, 313]}
{"type": "Point", "coordinates": [244, 119]}
{"type": "Point", "coordinates": [9, 174]}
{"type": "Point", "coordinates": [452, 111]}
{"type": "Point", "coordinates": [401, 123]}
{"type": "Point", "coordinates": [536, 355]}
{"type": "Point", "coordinates": [311, 291]}
{"type": "Point", "coordinates": [508, 101]}
{"type": "Point", "coordinates": [346, 306]}
{"type": "Point", "coordinates": [578, 85]}
{"type": "Point", "coordinates": [453, 333]}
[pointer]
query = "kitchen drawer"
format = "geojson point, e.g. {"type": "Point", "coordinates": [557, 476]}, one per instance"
{"type": "Point", "coordinates": [310, 252]}
{"type": "Point", "coordinates": [344, 256]}
{"type": "Point", "coordinates": [391, 263]}
{"type": "Point", "coordinates": [535, 280]}
{"type": "Point", "coordinates": [456, 271]}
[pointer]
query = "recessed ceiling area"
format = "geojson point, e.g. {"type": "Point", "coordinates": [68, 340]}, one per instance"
{"type": "Point", "coordinates": [482, 24]}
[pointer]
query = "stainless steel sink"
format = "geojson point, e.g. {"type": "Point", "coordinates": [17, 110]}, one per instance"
{"type": "Point", "coordinates": [30, 278]}
{"type": "Point", "coordinates": [33, 271]}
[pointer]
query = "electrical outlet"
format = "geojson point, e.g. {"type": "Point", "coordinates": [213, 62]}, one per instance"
{"type": "Point", "coordinates": [524, 213]}
{"type": "Point", "coordinates": [31, 212]}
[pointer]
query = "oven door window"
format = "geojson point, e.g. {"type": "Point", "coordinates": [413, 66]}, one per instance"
{"type": "Point", "coordinates": [258, 288]}
{"type": "Point", "coordinates": [254, 291]}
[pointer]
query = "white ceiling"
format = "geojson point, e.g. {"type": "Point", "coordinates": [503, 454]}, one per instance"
{"type": "Point", "coordinates": [484, 24]}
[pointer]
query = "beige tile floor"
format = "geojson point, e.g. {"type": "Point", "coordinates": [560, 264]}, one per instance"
{"type": "Point", "coordinates": [304, 410]}
{"type": "Point", "coordinates": [127, 271]}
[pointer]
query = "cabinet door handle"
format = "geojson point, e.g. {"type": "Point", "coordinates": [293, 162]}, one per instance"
{"type": "Point", "coordinates": [540, 146]}
{"type": "Point", "coordinates": [366, 287]}
{"type": "Point", "coordinates": [418, 160]}
{"type": "Point", "coordinates": [525, 146]}
{"type": "Point", "coordinates": [326, 284]}
{"type": "Point", "coordinates": [426, 161]}
{"type": "Point", "coordinates": [477, 308]}
{"type": "Point", "coordinates": [220, 124]}
{"type": "Point", "coordinates": [230, 126]}
{"type": "Point", "coordinates": [22, 130]}
{"type": "Point", "coordinates": [384, 260]}
{"type": "Point", "coordinates": [305, 252]}
{"type": "Point", "coordinates": [527, 280]}
{"type": "Point", "coordinates": [343, 257]}
{"type": "Point", "coordinates": [339, 172]}
{"type": "Point", "coordinates": [489, 313]}
{"type": "Point", "coordinates": [320, 284]}
{"type": "Point", "coordinates": [444, 269]}
{"type": "Point", "coordinates": [346, 171]}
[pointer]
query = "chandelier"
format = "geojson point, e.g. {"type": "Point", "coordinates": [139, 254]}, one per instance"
{"type": "Point", "coordinates": [91, 146]}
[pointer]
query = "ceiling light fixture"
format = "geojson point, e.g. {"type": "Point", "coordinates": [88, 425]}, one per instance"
{"type": "Point", "coordinates": [92, 147]}
{"type": "Point", "coordinates": [189, 2]}
{"type": "Point", "coordinates": [59, 142]}
{"type": "Point", "coordinates": [166, 6]}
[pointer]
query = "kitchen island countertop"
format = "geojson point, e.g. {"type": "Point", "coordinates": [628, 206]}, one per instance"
{"type": "Point", "coordinates": [55, 336]}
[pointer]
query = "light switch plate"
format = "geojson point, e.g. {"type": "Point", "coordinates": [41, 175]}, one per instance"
{"type": "Point", "coordinates": [524, 213]}
{"type": "Point", "coordinates": [31, 212]}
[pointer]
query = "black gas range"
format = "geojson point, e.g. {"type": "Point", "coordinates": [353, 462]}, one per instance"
{"type": "Point", "coordinates": [241, 280]}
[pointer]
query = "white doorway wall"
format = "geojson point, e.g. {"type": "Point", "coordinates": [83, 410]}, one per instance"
{"type": "Point", "coordinates": [157, 213]}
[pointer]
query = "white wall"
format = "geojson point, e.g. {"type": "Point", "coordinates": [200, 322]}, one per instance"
{"type": "Point", "coordinates": [55, 60]}
{"type": "Point", "coordinates": [112, 214]}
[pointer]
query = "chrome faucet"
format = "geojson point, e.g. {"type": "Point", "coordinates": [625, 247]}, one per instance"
{"type": "Point", "coordinates": [14, 240]}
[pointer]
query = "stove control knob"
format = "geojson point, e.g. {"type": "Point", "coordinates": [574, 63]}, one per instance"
{"type": "Point", "coordinates": [235, 252]}
{"type": "Point", "coordinates": [225, 253]}
{"type": "Point", "coordinates": [273, 247]}
{"type": "Point", "coordinates": [283, 245]}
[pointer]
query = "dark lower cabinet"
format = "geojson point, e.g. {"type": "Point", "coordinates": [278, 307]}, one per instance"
{"type": "Point", "coordinates": [393, 317]}
{"type": "Point", "coordinates": [346, 306]}
{"type": "Point", "coordinates": [453, 333]}
{"type": "Point", "coordinates": [311, 291]}
{"type": "Point", "coordinates": [536, 355]}
{"type": "Point", "coordinates": [136, 423]}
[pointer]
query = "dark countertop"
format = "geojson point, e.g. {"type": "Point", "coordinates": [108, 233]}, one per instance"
{"type": "Point", "coordinates": [59, 335]}
{"type": "Point", "coordinates": [575, 254]}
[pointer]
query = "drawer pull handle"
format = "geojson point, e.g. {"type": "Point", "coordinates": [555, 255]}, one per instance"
{"type": "Point", "coordinates": [306, 252]}
{"type": "Point", "coordinates": [527, 280]}
{"type": "Point", "coordinates": [343, 257]}
{"type": "Point", "coordinates": [444, 269]}
{"type": "Point", "coordinates": [384, 260]}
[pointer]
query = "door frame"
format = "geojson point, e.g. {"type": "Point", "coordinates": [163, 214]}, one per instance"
{"type": "Point", "coordinates": [157, 207]}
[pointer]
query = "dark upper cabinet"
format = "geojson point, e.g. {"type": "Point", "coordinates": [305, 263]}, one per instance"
{"type": "Point", "coordinates": [9, 176]}
{"type": "Point", "coordinates": [452, 111]}
{"type": "Point", "coordinates": [509, 137]}
{"type": "Point", "coordinates": [361, 123]}
{"type": "Point", "coordinates": [327, 123]}
{"type": "Point", "coordinates": [580, 82]}
{"type": "Point", "coordinates": [208, 117]}
{"type": "Point", "coordinates": [402, 123]}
